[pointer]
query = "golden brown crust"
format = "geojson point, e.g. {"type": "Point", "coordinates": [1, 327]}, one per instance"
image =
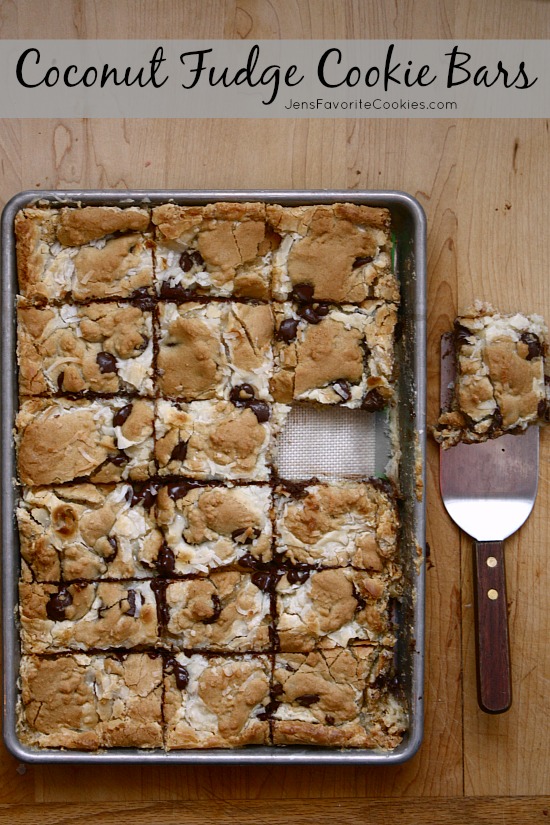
{"type": "Point", "coordinates": [208, 527]}
{"type": "Point", "coordinates": [88, 702]}
{"type": "Point", "coordinates": [299, 218]}
{"type": "Point", "coordinates": [330, 698]}
{"type": "Point", "coordinates": [61, 440]}
{"type": "Point", "coordinates": [499, 384]}
{"type": "Point", "coordinates": [100, 348]}
{"type": "Point", "coordinates": [334, 356]}
{"type": "Point", "coordinates": [86, 531]}
{"type": "Point", "coordinates": [173, 220]}
{"type": "Point", "coordinates": [167, 567]}
{"type": "Point", "coordinates": [335, 607]}
{"type": "Point", "coordinates": [115, 270]}
{"type": "Point", "coordinates": [80, 226]}
{"type": "Point", "coordinates": [106, 267]}
{"type": "Point", "coordinates": [340, 251]}
{"type": "Point", "coordinates": [84, 616]}
{"type": "Point", "coordinates": [216, 702]}
{"type": "Point", "coordinates": [218, 249]}
{"type": "Point", "coordinates": [34, 230]}
{"type": "Point", "coordinates": [227, 611]}
{"type": "Point", "coordinates": [222, 441]}
{"type": "Point", "coordinates": [332, 525]}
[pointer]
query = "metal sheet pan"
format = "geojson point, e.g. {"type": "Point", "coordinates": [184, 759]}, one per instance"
{"type": "Point", "coordinates": [409, 227]}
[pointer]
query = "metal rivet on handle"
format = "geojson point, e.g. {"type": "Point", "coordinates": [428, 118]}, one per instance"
{"type": "Point", "coordinates": [491, 562]}
{"type": "Point", "coordinates": [493, 594]}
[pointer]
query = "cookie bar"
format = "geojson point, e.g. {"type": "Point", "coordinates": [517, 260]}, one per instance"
{"type": "Point", "coordinates": [215, 702]}
{"type": "Point", "coordinates": [216, 440]}
{"type": "Point", "coordinates": [102, 347]}
{"type": "Point", "coordinates": [220, 249]}
{"type": "Point", "coordinates": [209, 527]}
{"type": "Point", "coordinates": [87, 615]}
{"type": "Point", "coordinates": [499, 385]}
{"type": "Point", "coordinates": [88, 702]}
{"type": "Point", "coordinates": [206, 350]}
{"type": "Point", "coordinates": [336, 252]}
{"type": "Point", "coordinates": [83, 254]}
{"type": "Point", "coordinates": [335, 525]}
{"type": "Point", "coordinates": [87, 531]}
{"type": "Point", "coordinates": [63, 439]}
{"type": "Point", "coordinates": [337, 697]}
{"type": "Point", "coordinates": [229, 611]}
{"type": "Point", "coordinates": [335, 607]}
{"type": "Point", "coordinates": [335, 356]}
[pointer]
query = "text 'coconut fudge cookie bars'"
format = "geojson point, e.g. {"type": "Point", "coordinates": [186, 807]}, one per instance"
{"type": "Point", "coordinates": [175, 591]}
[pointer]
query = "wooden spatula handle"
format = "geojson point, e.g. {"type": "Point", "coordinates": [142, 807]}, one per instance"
{"type": "Point", "coordinates": [492, 641]}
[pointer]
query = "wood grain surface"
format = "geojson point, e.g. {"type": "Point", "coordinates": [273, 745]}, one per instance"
{"type": "Point", "coordinates": [485, 187]}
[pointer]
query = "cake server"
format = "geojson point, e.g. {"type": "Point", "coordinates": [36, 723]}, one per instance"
{"type": "Point", "coordinates": [489, 490]}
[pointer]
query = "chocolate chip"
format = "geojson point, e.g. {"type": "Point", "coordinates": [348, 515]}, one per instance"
{"type": "Point", "coordinates": [245, 535]}
{"type": "Point", "coordinates": [181, 674]}
{"type": "Point", "coordinates": [309, 315]}
{"type": "Point", "coordinates": [361, 603]}
{"type": "Point", "coordinates": [114, 547]}
{"type": "Point", "coordinates": [298, 574]}
{"type": "Point", "coordinates": [178, 489]}
{"type": "Point", "coordinates": [166, 561]}
{"type": "Point", "coordinates": [462, 335]}
{"type": "Point", "coordinates": [241, 395]}
{"type": "Point", "coordinates": [277, 689]}
{"type": "Point", "coordinates": [342, 389]}
{"type": "Point", "coordinates": [174, 293]}
{"type": "Point", "coordinates": [143, 299]}
{"type": "Point", "coordinates": [288, 329]}
{"type": "Point", "coordinates": [122, 415]}
{"type": "Point", "coordinates": [308, 699]}
{"type": "Point", "coordinates": [216, 610]}
{"type": "Point", "coordinates": [534, 345]}
{"type": "Point", "coordinates": [58, 603]}
{"type": "Point", "coordinates": [302, 293]}
{"type": "Point", "coordinates": [190, 259]}
{"type": "Point", "coordinates": [384, 485]}
{"type": "Point", "coordinates": [273, 638]}
{"type": "Point", "coordinates": [60, 379]}
{"type": "Point", "coordinates": [106, 362]}
{"type": "Point", "coordinates": [118, 460]}
{"type": "Point", "coordinates": [179, 452]}
{"type": "Point", "coordinates": [497, 419]}
{"type": "Point", "coordinates": [297, 489]}
{"type": "Point", "coordinates": [158, 586]}
{"type": "Point", "coordinates": [373, 401]}
{"type": "Point", "coordinates": [132, 601]}
{"type": "Point", "coordinates": [146, 495]}
{"type": "Point", "coordinates": [366, 259]}
{"type": "Point", "coordinates": [329, 720]}
{"type": "Point", "coordinates": [268, 710]}
{"type": "Point", "coordinates": [262, 579]}
{"type": "Point", "coordinates": [261, 410]}
{"type": "Point", "coordinates": [314, 313]}
{"type": "Point", "coordinates": [250, 562]}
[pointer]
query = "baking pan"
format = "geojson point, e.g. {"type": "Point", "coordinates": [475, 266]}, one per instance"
{"type": "Point", "coordinates": [409, 228]}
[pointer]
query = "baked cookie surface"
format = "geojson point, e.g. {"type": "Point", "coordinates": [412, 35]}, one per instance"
{"type": "Point", "coordinates": [83, 254]}
{"type": "Point", "coordinates": [175, 592]}
{"type": "Point", "coordinates": [499, 386]}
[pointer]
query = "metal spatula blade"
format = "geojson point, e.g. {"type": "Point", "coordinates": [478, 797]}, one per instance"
{"type": "Point", "coordinates": [489, 490]}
